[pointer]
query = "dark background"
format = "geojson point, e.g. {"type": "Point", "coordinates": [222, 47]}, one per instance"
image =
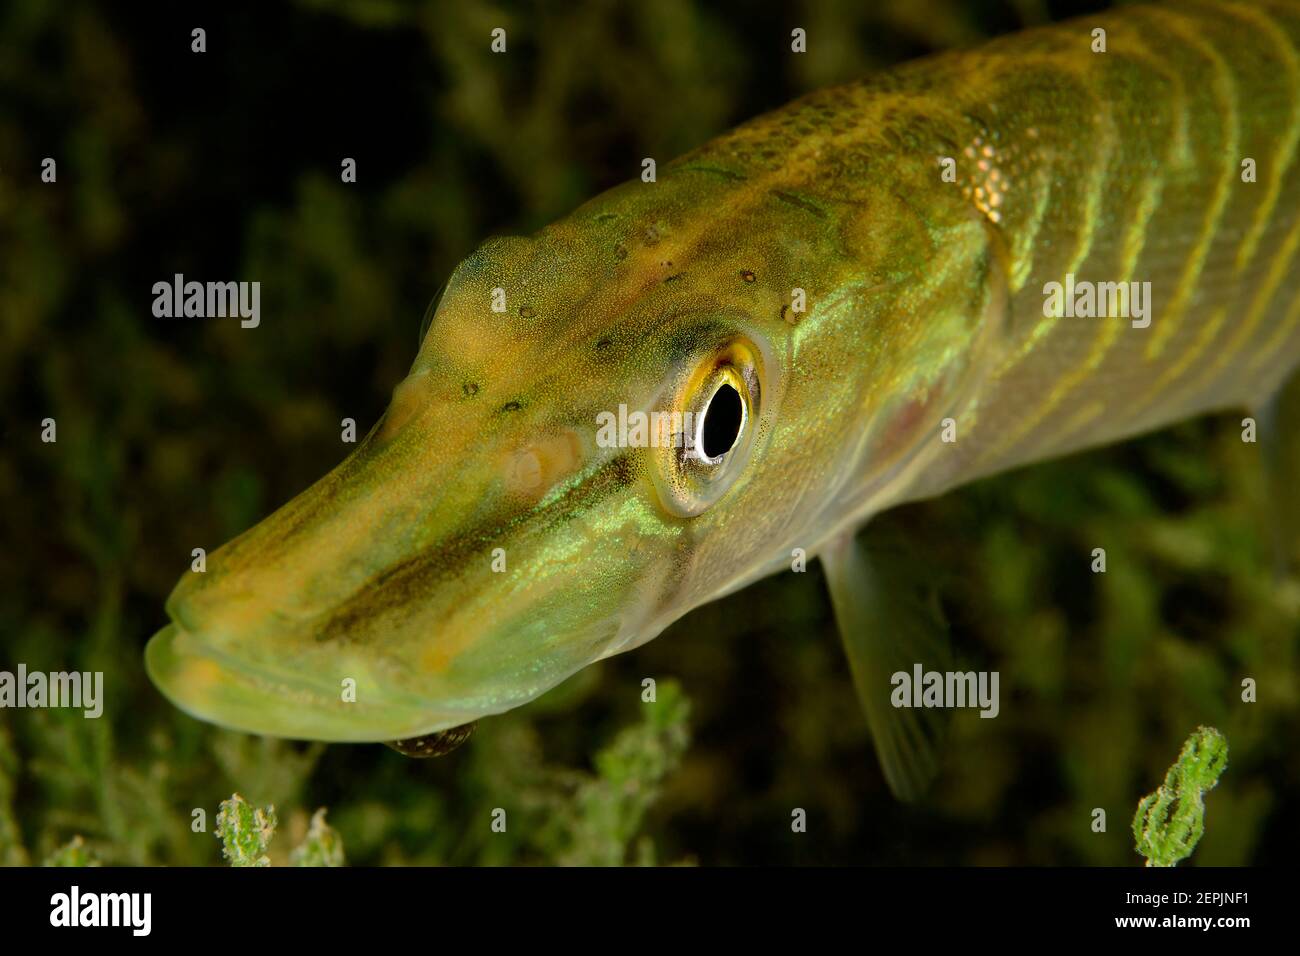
{"type": "Point", "coordinates": [177, 434]}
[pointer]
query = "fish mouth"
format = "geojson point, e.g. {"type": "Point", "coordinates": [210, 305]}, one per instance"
{"type": "Point", "coordinates": [211, 686]}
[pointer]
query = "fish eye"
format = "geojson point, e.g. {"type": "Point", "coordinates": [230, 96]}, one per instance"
{"type": "Point", "coordinates": [722, 422]}
{"type": "Point", "coordinates": [717, 398]}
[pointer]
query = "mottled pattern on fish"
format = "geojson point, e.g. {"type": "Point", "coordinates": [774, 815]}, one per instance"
{"type": "Point", "coordinates": [924, 301]}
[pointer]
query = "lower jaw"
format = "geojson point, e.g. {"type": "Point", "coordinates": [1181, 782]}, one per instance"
{"type": "Point", "coordinates": [231, 695]}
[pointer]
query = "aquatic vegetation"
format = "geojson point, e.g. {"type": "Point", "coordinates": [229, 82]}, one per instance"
{"type": "Point", "coordinates": [1169, 822]}
{"type": "Point", "coordinates": [12, 852]}
{"type": "Point", "coordinates": [322, 847]}
{"type": "Point", "coordinates": [245, 832]}
{"type": "Point", "coordinates": [73, 853]}
{"type": "Point", "coordinates": [605, 810]}
{"type": "Point", "coordinates": [566, 816]}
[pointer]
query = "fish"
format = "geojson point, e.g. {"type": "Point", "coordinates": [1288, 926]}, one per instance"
{"type": "Point", "coordinates": [987, 258]}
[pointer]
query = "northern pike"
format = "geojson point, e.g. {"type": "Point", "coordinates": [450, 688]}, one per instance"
{"type": "Point", "coordinates": [884, 290]}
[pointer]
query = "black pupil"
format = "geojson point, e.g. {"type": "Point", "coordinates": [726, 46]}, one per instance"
{"type": "Point", "coordinates": [721, 422]}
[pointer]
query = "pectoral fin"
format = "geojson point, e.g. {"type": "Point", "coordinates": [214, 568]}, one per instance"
{"type": "Point", "coordinates": [889, 621]}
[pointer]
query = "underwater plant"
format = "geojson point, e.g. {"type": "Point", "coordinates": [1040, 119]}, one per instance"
{"type": "Point", "coordinates": [1169, 822]}
{"type": "Point", "coordinates": [245, 831]}
{"type": "Point", "coordinates": [73, 853]}
{"type": "Point", "coordinates": [322, 847]}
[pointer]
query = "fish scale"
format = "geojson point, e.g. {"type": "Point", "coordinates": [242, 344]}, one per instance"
{"type": "Point", "coordinates": [1199, 219]}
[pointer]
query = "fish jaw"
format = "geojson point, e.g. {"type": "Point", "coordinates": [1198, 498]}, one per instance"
{"type": "Point", "coordinates": [202, 682]}
{"type": "Point", "coordinates": [253, 647]}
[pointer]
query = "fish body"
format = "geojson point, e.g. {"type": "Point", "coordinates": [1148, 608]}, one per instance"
{"type": "Point", "coordinates": [862, 275]}
{"type": "Point", "coordinates": [1086, 168]}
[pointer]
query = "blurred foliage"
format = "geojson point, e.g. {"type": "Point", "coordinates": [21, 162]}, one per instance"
{"type": "Point", "coordinates": [173, 435]}
{"type": "Point", "coordinates": [590, 820]}
{"type": "Point", "coordinates": [245, 831]}
{"type": "Point", "coordinates": [322, 847]}
{"type": "Point", "coordinates": [1170, 822]}
{"type": "Point", "coordinates": [73, 853]}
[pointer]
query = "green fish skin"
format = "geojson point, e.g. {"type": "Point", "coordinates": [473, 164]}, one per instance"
{"type": "Point", "coordinates": [862, 297]}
